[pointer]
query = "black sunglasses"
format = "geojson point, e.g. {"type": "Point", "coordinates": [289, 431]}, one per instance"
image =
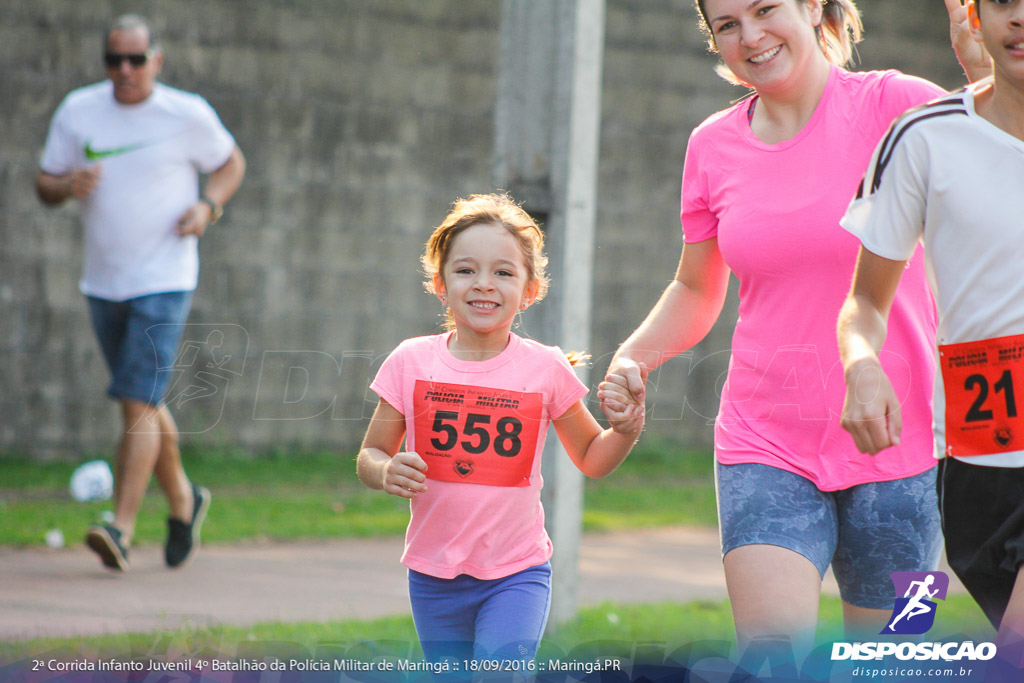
{"type": "Point", "coordinates": [113, 60]}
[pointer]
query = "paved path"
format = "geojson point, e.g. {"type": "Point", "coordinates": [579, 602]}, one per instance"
{"type": "Point", "coordinates": [66, 592]}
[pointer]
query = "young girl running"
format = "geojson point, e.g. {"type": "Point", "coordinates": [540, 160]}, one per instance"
{"type": "Point", "coordinates": [473, 405]}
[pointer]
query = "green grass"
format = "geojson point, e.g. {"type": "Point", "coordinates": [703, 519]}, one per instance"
{"type": "Point", "coordinates": [614, 629]}
{"type": "Point", "coordinates": [658, 485]}
{"type": "Point", "coordinates": [281, 496]}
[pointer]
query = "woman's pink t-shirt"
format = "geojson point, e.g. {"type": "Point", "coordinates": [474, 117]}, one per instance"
{"type": "Point", "coordinates": [482, 530]}
{"type": "Point", "coordinates": [775, 209]}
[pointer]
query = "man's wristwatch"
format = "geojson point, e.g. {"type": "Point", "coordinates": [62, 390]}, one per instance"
{"type": "Point", "coordinates": [216, 210]}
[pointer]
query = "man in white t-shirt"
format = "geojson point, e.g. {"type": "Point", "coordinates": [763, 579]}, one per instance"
{"type": "Point", "coordinates": [132, 150]}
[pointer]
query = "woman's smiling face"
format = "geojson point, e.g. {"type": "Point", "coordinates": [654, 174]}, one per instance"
{"type": "Point", "coordinates": [767, 44]}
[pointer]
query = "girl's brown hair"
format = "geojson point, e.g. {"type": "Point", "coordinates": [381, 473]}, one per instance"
{"type": "Point", "coordinates": [495, 209]}
{"type": "Point", "coordinates": [492, 209]}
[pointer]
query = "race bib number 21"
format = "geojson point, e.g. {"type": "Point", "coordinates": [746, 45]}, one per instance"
{"type": "Point", "coordinates": [980, 380]}
{"type": "Point", "coordinates": [477, 435]}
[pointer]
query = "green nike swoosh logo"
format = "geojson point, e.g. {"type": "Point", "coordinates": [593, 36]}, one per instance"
{"type": "Point", "coordinates": [94, 154]}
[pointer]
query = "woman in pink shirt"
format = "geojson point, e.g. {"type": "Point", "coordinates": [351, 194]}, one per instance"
{"type": "Point", "coordinates": [765, 183]}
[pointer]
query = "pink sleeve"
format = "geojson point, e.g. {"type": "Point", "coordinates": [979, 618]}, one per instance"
{"type": "Point", "coordinates": [699, 222]}
{"type": "Point", "coordinates": [566, 386]}
{"type": "Point", "coordinates": [388, 382]}
{"type": "Point", "coordinates": [899, 92]}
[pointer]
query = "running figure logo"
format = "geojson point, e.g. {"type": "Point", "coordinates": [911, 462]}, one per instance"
{"type": "Point", "coordinates": [914, 613]}
{"type": "Point", "coordinates": [210, 357]}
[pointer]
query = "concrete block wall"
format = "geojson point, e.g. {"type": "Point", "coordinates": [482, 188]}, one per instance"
{"type": "Point", "coordinates": [361, 121]}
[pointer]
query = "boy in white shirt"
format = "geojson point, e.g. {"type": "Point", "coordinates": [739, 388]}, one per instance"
{"type": "Point", "coordinates": [951, 173]}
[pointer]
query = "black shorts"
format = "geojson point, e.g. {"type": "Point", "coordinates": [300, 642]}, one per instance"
{"type": "Point", "coordinates": [983, 521]}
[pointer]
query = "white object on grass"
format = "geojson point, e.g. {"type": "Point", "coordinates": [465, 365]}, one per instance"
{"type": "Point", "coordinates": [55, 538]}
{"type": "Point", "coordinates": [92, 481]}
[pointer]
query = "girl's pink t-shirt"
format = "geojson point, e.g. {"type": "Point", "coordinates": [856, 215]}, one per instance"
{"type": "Point", "coordinates": [775, 209]}
{"type": "Point", "coordinates": [483, 530]}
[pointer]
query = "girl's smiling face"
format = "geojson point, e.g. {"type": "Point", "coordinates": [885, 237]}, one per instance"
{"type": "Point", "coordinates": [485, 281]}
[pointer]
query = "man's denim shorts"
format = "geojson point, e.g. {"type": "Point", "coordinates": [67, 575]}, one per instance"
{"type": "Point", "coordinates": [139, 339]}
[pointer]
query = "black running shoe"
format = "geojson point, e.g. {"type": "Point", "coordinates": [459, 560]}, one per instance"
{"type": "Point", "coordinates": [105, 541]}
{"type": "Point", "coordinates": [182, 538]}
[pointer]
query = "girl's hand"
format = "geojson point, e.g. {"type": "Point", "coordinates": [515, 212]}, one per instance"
{"type": "Point", "coordinates": [625, 414]}
{"type": "Point", "coordinates": [405, 475]}
{"type": "Point", "coordinates": [628, 421]}
{"type": "Point", "coordinates": [624, 376]}
{"type": "Point", "coordinates": [871, 411]}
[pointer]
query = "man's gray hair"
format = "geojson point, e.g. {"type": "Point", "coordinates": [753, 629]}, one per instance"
{"type": "Point", "coordinates": [131, 22]}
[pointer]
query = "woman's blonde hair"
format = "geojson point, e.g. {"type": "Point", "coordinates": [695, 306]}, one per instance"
{"type": "Point", "coordinates": [840, 29]}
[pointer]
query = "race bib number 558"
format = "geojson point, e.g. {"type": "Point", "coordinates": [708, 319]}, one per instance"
{"type": "Point", "coordinates": [979, 379]}
{"type": "Point", "coordinates": [477, 435]}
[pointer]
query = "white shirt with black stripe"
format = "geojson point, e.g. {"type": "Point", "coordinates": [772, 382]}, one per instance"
{"type": "Point", "coordinates": [946, 176]}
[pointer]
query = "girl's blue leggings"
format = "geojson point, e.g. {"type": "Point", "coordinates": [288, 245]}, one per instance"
{"type": "Point", "coordinates": [466, 618]}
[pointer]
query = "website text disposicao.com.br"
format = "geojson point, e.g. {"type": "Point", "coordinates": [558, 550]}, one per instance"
{"type": "Point", "coordinates": [903, 672]}
{"type": "Point", "coordinates": [945, 661]}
